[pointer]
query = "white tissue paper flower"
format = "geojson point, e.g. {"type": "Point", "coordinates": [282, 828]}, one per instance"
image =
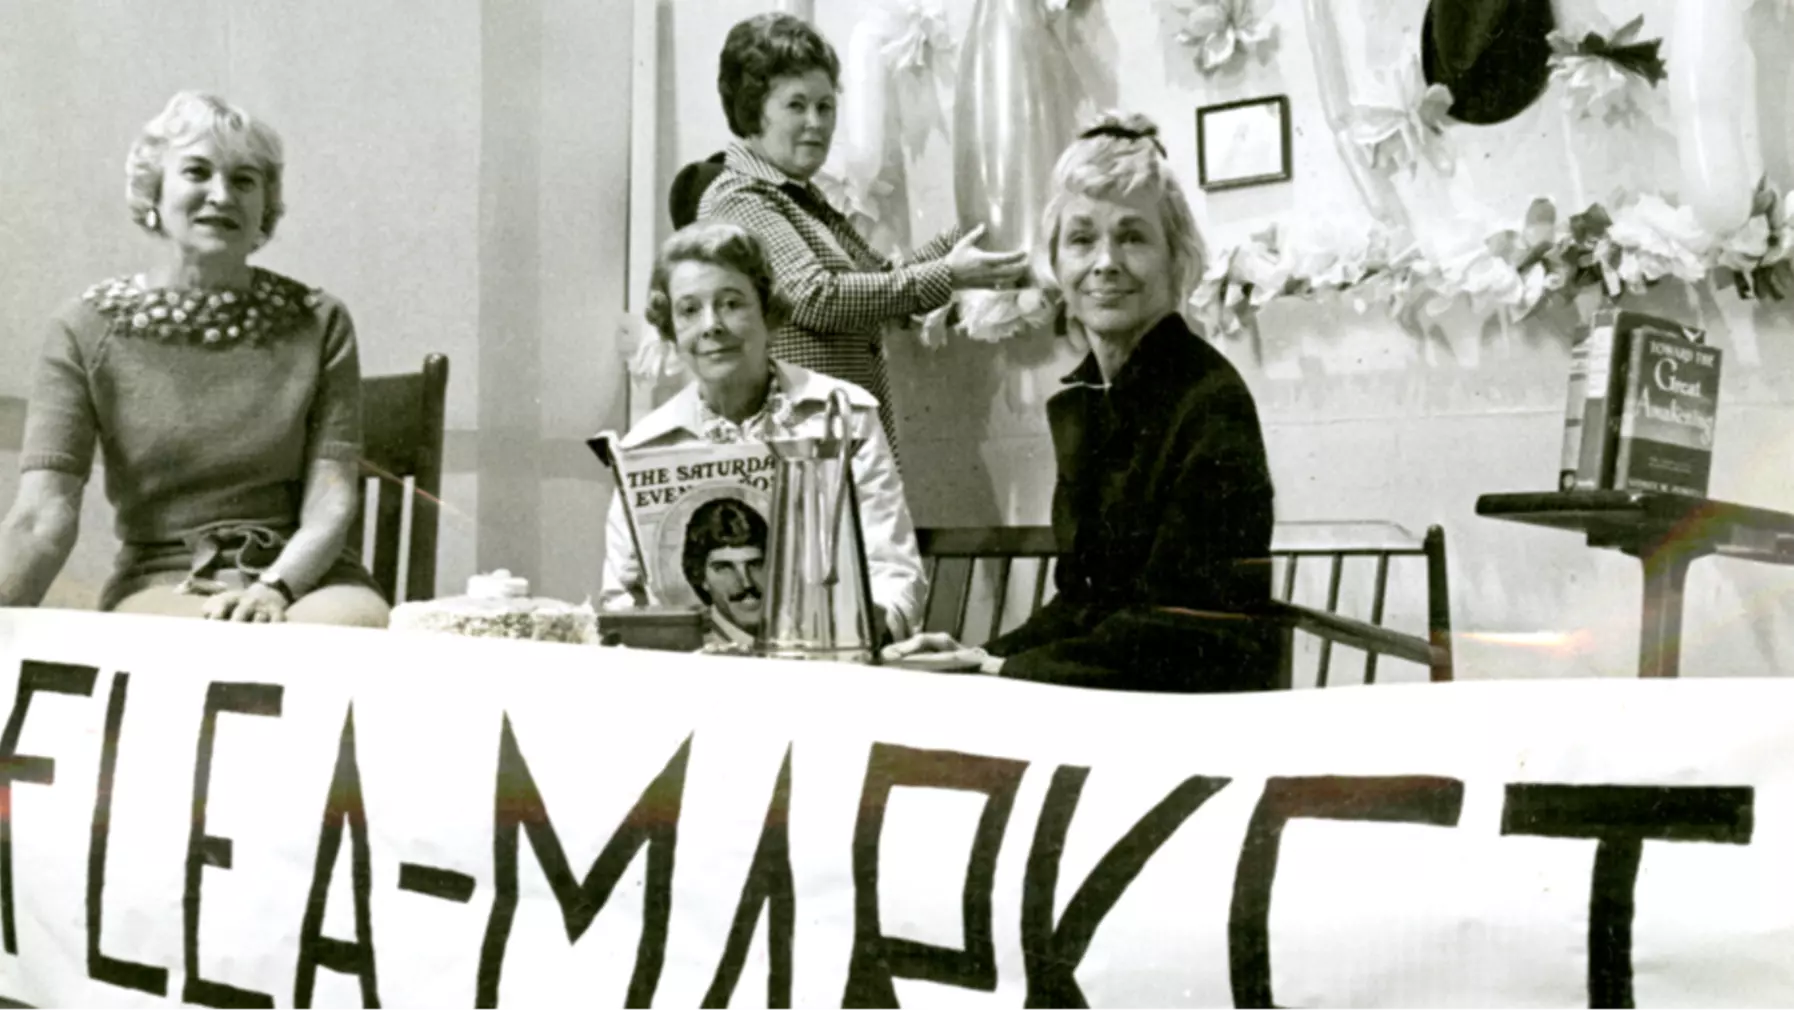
{"type": "Point", "coordinates": [1650, 240]}
{"type": "Point", "coordinates": [1221, 30]}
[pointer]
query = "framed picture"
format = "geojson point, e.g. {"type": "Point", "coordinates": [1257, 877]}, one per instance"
{"type": "Point", "coordinates": [1243, 143]}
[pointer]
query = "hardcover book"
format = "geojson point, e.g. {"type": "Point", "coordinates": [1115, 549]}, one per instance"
{"type": "Point", "coordinates": [1643, 399]}
{"type": "Point", "coordinates": [1576, 405]}
{"type": "Point", "coordinates": [1668, 410]}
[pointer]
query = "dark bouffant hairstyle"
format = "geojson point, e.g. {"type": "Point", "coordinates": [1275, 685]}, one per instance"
{"type": "Point", "coordinates": [759, 51]}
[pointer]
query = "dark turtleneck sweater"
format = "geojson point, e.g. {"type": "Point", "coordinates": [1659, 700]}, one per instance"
{"type": "Point", "coordinates": [1162, 507]}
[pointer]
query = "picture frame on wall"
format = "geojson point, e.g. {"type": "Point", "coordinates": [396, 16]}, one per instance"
{"type": "Point", "coordinates": [1243, 143]}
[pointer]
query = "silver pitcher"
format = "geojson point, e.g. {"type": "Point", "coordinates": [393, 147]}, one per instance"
{"type": "Point", "coordinates": [818, 594]}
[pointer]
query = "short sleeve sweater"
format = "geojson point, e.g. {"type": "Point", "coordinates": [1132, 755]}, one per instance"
{"type": "Point", "coordinates": [207, 406]}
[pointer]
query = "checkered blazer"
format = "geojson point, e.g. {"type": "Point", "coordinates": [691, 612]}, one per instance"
{"type": "Point", "coordinates": [839, 291]}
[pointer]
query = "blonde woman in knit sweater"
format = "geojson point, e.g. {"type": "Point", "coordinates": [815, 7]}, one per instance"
{"type": "Point", "coordinates": [225, 399]}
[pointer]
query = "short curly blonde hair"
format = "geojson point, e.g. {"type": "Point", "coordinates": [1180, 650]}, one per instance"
{"type": "Point", "coordinates": [724, 245]}
{"type": "Point", "coordinates": [1118, 155]}
{"type": "Point", "coordinates": [188, 116]}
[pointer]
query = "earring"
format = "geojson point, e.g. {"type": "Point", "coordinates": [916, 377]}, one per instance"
{"type": "Point", "coordinates": [152, 220]}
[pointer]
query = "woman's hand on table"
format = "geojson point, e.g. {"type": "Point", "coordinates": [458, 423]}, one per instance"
{"type": "Point", "coordinates": [259, 603]}
{"type": "Point", "coordinates": [940, 651]}
{"type": "Point", "coordinates": [972, 267]}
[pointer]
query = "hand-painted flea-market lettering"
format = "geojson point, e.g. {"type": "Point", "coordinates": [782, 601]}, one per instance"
{"type": "Point", "coordinates": [1620, 818]}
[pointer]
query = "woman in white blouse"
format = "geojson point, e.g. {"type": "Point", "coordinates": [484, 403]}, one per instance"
{"type": "Point", "coordinates": [712, 296]}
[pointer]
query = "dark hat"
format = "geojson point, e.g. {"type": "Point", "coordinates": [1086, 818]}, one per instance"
{"type": "Point", "coordinates": [1494, 55]}
{"type": "Point", "coordinates": [688, 189]}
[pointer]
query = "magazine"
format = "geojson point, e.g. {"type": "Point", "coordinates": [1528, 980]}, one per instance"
{"type": "Point", "coordinates": [699, 515]}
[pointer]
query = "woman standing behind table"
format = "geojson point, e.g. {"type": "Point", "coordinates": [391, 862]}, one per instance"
{"type": "Point", "coordinates": [1163, 503]}
{"type": "Point", "coordinates": [225, 398]}
{"type": "Point", "coordinates": [778, 79]}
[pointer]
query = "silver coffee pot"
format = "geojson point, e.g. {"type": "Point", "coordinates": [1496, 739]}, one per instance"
{"type": "Point", "coordinates": [818, 594]}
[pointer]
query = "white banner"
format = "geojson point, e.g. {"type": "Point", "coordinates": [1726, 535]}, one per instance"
{"type": "Point", "coordinates": [259, 816]}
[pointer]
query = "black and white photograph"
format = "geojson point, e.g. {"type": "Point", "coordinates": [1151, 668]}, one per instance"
{"type": "Point", "coordinates": [876, 503]}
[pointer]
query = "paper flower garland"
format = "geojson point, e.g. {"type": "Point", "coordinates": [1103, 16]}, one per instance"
{"type": "Point", "coordinates": [1221, 31]}
{"type": "Point", "coordinates": [1407, 125]}
{"type": "Point", "coordinates": [1510, 271]}
{"type": "Point", "coordinates": [1609, 77]}
{"type": "Point", "coordinates": [1242, 280]}
{"type": "Point", "coordinates": [1648, 241]}
{"type": "Point", "coordinates": [1513, 272]}
{"type": "Point", "coordinates": [992, 316]}
{"type": "Point", "coordinates": [1761, 252]}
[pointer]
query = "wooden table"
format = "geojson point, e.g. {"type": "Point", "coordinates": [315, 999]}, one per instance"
{"type": "Point", "coordinates": [1665, 532]}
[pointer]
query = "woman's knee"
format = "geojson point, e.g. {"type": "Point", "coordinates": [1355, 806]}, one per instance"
{"type": "Point", "coordinates": [161, 600]}
{"type": "Point", "coordinates": [340, 605]}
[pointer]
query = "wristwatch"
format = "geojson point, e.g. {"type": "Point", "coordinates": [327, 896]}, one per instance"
{"type": "Point", "coordinates": [277, 584]}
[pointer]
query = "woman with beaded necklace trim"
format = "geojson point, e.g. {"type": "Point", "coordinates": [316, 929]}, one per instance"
{"type": "Point", "coordinates": [226, 400]}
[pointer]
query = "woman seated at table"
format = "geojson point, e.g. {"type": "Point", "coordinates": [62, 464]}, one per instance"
{"type": "Point", "coordinates": [778, 78]}
{"type": "Point", "coordinates": [225, 398]}
{"type": "Point", "coordinates": [711, 294]}
{"type": "Point", "coordinates": [1162, 507]}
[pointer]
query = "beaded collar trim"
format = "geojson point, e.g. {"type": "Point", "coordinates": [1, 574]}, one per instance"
{"type": "Point", "coordinates": [273, 305]}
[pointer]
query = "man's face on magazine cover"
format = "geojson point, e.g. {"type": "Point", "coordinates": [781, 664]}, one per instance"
{"type": "Point", "coordinates": [735, 578]}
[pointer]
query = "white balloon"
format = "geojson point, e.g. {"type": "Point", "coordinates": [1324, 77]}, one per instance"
{"type": "Point", "coordinates": [1014, 115]}
{"type": "Point", "coordinates": [1712, 91]}
{"type": "Point", "coordinates": [860, 136]}
{"type": "Point", "coordinates": [1380, 197]}
{"type": "Point", "coordinates": [1771, 30]}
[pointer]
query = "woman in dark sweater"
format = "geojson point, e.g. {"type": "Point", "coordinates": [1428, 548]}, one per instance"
{"type": "Point", "coordinates": [1163, 503]}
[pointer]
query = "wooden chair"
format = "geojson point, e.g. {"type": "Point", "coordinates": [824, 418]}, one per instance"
{"type": "Point", "coordinates": [955, 556]}
{"type": "Point", "coordinates": [1378, 543]}
{"type": "Point", "coordinates": [402, 423]}
{"type": "Point", "coordinates": [688, 189]}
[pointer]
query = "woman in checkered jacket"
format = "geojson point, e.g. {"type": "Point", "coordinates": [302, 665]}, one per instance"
{"type": "Point", "coordinates": [778, 80]}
